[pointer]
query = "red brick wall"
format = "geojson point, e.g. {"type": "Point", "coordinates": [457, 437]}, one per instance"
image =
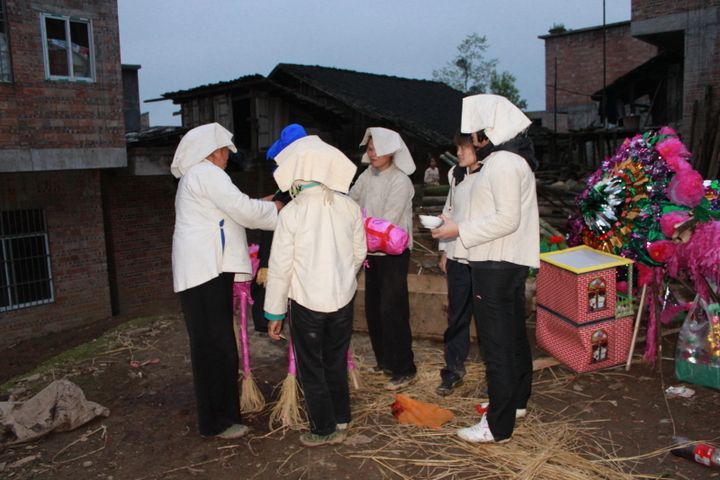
{"type": "Point", "coordinates": [71, 200]}
{"type": "Point", "coordinates": [580, 62]}
{"type": "Point", "coordinates": [40, 113]}
{"type": "Point", "coordinates": [140, 215]}
{"type": "Point", "coordinates": [644, 9]}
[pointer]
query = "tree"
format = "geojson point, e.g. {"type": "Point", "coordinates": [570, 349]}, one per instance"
{"type": "Point", "coordinates": [471, 72]}
{"type": "Point", "coordinates": [504, 84]}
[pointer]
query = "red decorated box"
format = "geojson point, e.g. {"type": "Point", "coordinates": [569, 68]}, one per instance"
{"type": "Point", "coordinates": [581, 320]}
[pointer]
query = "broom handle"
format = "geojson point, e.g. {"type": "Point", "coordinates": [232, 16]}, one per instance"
{"type": "Point", "coordinates": [350, 362]}
{"type": "Point", "coordinates": [243, 333]}
{"type": "Point", "coordinates": [637, 327]}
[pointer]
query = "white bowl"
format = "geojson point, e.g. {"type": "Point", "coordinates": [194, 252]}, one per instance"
{"type": "Point", "coordinates": [430, 221]}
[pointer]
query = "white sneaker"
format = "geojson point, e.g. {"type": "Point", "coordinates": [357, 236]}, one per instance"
{"type": "Point", "coordinates": [341, 426]}
{"type": "Point", "coordinates": [519, 413]}
{"type": "Point", "coordinates": [478, 433]}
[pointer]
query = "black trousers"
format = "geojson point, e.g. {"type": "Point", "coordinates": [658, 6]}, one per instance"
{"type": "Point", "coordinates": [258, 310]}
{"type": "Point", "coordinates": [387, 310]}
{"type": "Point", "coordinates": [499, 309]}
{"type": "Point", "coordinates": [457, 335]}
{"type": "Point", "coordinates": [321, 342]}
{"type": "Point", "coordinates": [209, 319]}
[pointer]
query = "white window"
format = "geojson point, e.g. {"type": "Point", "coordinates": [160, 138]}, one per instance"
{"type": "Point", "coordinates": [5, 65]}
{"type": "Point", "coordinates": [25, 275]}
{"type": "Point", "coordinates": [68, 48]}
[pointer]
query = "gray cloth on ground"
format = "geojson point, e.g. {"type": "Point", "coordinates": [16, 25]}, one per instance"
{"type": "Point", "coordinates": [61, 406]}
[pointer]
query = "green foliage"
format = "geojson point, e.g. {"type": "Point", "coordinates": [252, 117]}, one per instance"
{"type": "Point", "coordinates": [504, 84]}
{"type": "Point", "coordinates": [471, 72]}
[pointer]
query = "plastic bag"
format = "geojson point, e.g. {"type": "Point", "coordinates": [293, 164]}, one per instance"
{"type": "Point", "coordinates": [697, 358]}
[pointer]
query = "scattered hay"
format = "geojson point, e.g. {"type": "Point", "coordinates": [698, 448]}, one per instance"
{"type": "Point", "coordinates": [544, 445]}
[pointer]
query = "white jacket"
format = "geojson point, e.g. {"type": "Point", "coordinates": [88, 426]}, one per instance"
{"type": "Point", "coordinates": [317, 250]}
{"type": "Point", "coordinates": [502, 222]}
{"type": "Point", "coordinates": [387, 194]}
{"type": "Point", "coordinates": [206, 197]}
{"type": "Point", "coordinates": [458, 208]}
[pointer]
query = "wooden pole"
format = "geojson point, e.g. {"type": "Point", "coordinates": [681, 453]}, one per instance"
{"type": "Point", "coordinates": [637, 327]}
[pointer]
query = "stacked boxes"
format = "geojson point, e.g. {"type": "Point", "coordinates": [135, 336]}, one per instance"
{"type": "Point", "coordinates": [581, 320]}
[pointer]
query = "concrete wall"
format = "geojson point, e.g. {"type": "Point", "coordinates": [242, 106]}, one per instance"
{"type": "Point", "coordinates": [71, 201]}
{"type": "Point", "coordinates": [644, 9]}
{"type": "Point", "coordinates": [66, 124]}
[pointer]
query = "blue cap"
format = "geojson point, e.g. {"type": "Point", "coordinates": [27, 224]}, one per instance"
{"type": "Point", "coordinates": [288, 135]}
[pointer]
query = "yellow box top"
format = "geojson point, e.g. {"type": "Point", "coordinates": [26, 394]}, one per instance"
{"type": "Point", "coordinates": [584, 259]}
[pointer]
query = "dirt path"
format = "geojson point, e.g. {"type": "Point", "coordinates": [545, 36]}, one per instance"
{"type": "Point", "coordinates": [151, 431]}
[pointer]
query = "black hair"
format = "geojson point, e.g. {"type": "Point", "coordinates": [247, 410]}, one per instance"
{"type": "Point", "coordinates": [462, 139]}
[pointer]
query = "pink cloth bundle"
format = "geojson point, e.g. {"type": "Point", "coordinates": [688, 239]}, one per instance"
{"type": "Point", "coordinates": [383, 236]}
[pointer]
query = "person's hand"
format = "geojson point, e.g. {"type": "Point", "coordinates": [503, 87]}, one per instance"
{"type": "Point", "coordinates": [442, 262]}
{"type": "Point", "coordinates": [447, 231]}
{"type": "Point", "coordinates": [279, 205]}
{"type": "Point", "coordinates": [274, 329]}
{"type": "Point", "coordinates": [261, 277]}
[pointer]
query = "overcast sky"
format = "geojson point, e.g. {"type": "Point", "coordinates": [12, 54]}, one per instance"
{"type": "Point", "coordinates": [183, 44]}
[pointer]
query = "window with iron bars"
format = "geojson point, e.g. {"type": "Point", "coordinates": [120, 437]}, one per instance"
{"type": "Point", "coordinates": [25, 274]}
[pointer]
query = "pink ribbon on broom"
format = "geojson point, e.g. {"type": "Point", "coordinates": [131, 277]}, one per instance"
{"type": "Point", "coordinates": [251, 399]}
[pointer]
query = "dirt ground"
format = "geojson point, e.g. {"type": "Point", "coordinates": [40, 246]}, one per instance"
{"type": "Point", "coordinates": [151, 431]}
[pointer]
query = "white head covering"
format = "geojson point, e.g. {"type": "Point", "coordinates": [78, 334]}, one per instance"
{"type": "Point", "coordinates": [312, 160]}
{"type": "Point", "coordinates": [197, 144]}
{"type": "Point", "coordinates": [389, 142]}
{"type": "Point", "coordinates": [495, 115]}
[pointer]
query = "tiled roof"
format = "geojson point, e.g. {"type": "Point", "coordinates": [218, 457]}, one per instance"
{"type": "Point", "coordinates": [428, 109]}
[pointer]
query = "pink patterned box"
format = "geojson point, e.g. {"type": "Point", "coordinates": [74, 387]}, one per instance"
{"type": "Point", "coordinates": [581, 321]}
{"type": "Point", "coordinates": [584, 347]}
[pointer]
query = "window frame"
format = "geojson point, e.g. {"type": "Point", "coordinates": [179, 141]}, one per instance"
{"type": "Point", "coordinates": [3, 20]}
{"type": "Point", "coordinates": [6, 266]}
{"type": "Point", "coordinates": [46, 55]}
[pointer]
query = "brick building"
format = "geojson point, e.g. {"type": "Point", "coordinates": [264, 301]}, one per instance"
{"type": "Point", "coordinates": [574, 68]}
{"type": "Point", "coordinates": [61, 126]}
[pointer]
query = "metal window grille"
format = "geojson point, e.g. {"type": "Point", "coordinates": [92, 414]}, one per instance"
{"type": "Point", "coordinates": [25, 273]}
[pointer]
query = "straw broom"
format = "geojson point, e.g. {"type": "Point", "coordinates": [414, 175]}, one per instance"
{"type": "Point", "coordinates": [287, 411]}
{"type": "Point", "coordinates": [251, 399]}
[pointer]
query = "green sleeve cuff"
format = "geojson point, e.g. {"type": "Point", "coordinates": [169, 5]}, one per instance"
{"type": "Point", "coordinates": [275, 317]}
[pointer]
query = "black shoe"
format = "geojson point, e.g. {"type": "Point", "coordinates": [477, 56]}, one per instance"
{"type": "Point", "coordinates": [447, 385]}
{"type": "Point", "coordinates": [399, 381]}
{"type": "Point", "coordinates": [379, 369]}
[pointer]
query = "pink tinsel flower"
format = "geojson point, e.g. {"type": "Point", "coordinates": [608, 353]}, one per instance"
{"type": "Point", "coordinates": [645, 274]}
{"type": "Point", "coordinates": [670, 220]}
{"type": "Point", "coordinates": [667, 131]}
{"type": "Point", "coordinates": [622, 286]}
{"type": "Point", "coordinates": [661, 250]}
{"type": "Point", "coordinates": [674, 153]}
{"type": "Point", "coordinates": [699, 258]}
{"type": "Point", "coordinates": [686, 188]}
